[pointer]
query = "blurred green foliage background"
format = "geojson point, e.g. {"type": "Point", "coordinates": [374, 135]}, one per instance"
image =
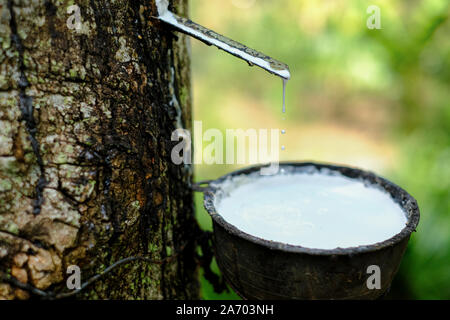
{"type": "Point", "coordinates": [375, 99]}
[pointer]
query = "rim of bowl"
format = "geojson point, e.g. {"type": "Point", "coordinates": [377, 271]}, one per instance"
{"type": "Point", "coordinates": [407, 203]}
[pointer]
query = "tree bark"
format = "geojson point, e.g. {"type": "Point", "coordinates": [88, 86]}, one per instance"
{"type": "Point", "coordinates": [86, 178]}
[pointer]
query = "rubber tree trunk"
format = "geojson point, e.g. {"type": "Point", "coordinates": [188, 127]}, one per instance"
{"type": "Point", "coordinates": [86, 116]}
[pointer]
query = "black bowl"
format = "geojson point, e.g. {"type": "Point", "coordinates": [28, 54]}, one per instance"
{"type": "Point", "coordinates": [260, 269]}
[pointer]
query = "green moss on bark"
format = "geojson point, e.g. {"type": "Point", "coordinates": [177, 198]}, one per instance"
{"type": "Point", "coordinates": [101, 118]}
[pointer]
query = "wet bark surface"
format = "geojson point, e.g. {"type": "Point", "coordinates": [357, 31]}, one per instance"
{"type": "Point", "coordinates": [86, 178]}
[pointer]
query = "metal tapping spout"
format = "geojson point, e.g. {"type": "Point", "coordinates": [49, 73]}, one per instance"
{"type": "Point", "coordinates": [210, 37]}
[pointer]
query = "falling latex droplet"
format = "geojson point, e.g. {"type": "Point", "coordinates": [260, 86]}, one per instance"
{"type": "Point", "coordinates": [283, 131]}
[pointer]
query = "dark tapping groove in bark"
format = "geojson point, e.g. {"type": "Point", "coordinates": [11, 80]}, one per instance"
{"type": "Point", "coordinates": [102, 98]}
{"type": "Point", "coordinates": [26, 108]}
